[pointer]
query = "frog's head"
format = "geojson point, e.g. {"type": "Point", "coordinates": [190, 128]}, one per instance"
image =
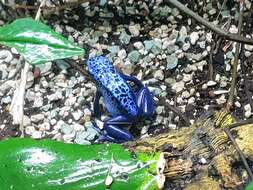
{"type": "Point", "coordinates": [99, 65]}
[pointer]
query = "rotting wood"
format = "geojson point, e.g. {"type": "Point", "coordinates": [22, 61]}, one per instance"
{"type": "Point", "coordinates": [203, 153]}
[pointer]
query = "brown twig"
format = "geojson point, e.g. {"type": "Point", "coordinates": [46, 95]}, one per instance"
{"type": "Point", "coordinates": [239, 152]}
{"type": "Point", "coordinates": [77, 67]}
{"type": "Point", "coordinates": [179, 113]}
{"type": "Point", "coordinates": [239, 123]}
{"type": "Point", "coordinates": [235, 64]}
{"type": "Point", "coordinates": [244, 60]}
{"type": "Point", "coordinates": [245, 79]}
{"type": "Point", "coordinates": [222, 7]}
{"type": "Point", "coordinates": [226, 35]}
{"type": "Point", "coordinates": [210, 64]}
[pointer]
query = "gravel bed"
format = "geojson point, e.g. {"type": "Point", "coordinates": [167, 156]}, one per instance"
{"type": "Point", "coordinates": [151, 40]}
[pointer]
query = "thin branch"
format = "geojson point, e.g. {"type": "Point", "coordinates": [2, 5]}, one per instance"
{"type": "Point", "coordinates": [239, 123]}
{"type": "Point", "coordinates": [17, 104]}
{"type": "Point", "coordinates": [179, 113]}
{"type": "Point", "coordinates": [235, 64]}
{"type": "Point", "coordinates": [226, 35]}
{"type": "Point", "coordinates": [210, 64]}
{"type": "Point", "coordinates": [239, 152]}
{"type": "Point", "coordinates": [245, 79]}
{"type": "Point", "coordinates": [77, 67]}
{"type": "Point", "coordinates": [222, 7]}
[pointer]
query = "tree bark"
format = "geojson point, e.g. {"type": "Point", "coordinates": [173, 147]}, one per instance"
{"type": "Point", "coordinates": [201, 156]}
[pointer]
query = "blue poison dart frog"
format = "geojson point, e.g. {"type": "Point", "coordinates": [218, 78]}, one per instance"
{"type": "Point", "coordinates": [125, 104]}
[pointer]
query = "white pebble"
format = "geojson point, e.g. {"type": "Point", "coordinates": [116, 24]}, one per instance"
{"type": "Point", "coordinates": [194, 36]}
{"type": "Point", "coordinates": [247, 114]}
{"type": "Point", "coordinates": [138, 45]}
{"type": "Point", "coordinates": [211, 83]}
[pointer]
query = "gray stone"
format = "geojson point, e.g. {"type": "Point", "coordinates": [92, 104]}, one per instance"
{"type": "Point", "coordinates": [165, 11]}
{"type": "Point", "coordinates": [247, 108]}
{"type": "Point", "coordinates": [186, 46]}
{"type": "Point", "coordinates": [221, 100]}
{"type": "Point", "coordinates": [77, 115]}
{"type": "Point", "coordinates": [159, 75]}
{"type": "Point", "coordinates": [56, 96]}
{"type": "Point", "coordinates": [114, 49]}
{"type": "Point", "coordinates": [36, 135]}
{"type": "Point", "coordinates": [202, 44]}
{"type": "Point", "coordinates": [30, 80]}
{"type": "Point", "coordinates": [138, 45]}
{"type": "Point", "coordinates": [6, 100]}
{"type": "Point", "coordinates": [92, 133]}
{"type": "Point", "coordinates": [144, 129]}
{"type": "Point", "coordinates": [5, 56]}
{"type": "Point", "coordinates": [211, 83]}
{"type": "Point", "coordinates": [102, 2]}
{"type": "Point", "coordinates": [67, 129]}
{"type": "Point", "coordinates": [196, 57]}
{"type": "Point", "coordinates": [26, 120]}
{"type": "Point", "coordinates": [247, 114]}
{"type": "Point", "coordinates": [170, 81]}
{"type": "Point", "coordinates": [187, 77]}
{"type": "Point", "coordinates": [29, 130]}
{"type": "Point", "coordinates": [157, 47]}
{"type": "Point", "coordinates": [172, 61]}
{"type": "Point", "coordinates": [134, 56]}
{"type": "Point", "coordinates": [160, 109]}
{"type": "Point", "coordinates": [122, 54]}
{"type": "Point", "coordinates": [106, 14]}
{"type": "Point", "coordinates": [46, 107]}
{"type": "Point", "coordinates": [182, 34]}
{"type": "Point", "coordinates": [3, 72]}
{"type": "Point", "coordinates": [178, 86]}
{"type": "Point", "coordinates": [134, 29]}
{"type": "Point", "coordinates": [6, 86]}
{"type": "Point", "coordinates": [212, 11]}
{"type": "Point", "coordinates": [194, 36]}
{"type": "Point", "coordinates": [81, 138]}
{"type": "Point", "coordinates": [45, 68]}
{"type": "Point", "coordinates": [62, 64]}
{"type": "Point", "coordinates": [38, 102]}
{"type": "Point", "coordinates": [124, 37]}
{"type": "Point", "coordinates": [148, 44]}
{"type": "Point", "coordinates": [37, 118]}
{"type": "Point", "coordinates": [175, 12]}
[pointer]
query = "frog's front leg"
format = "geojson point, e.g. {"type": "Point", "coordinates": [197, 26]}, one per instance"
{"type": "Point", "coordinates": [96, 104]}
{"type": "Point", "coordinates": [145, 102]}
{"type": "Point", "coordinates": [114, 130]}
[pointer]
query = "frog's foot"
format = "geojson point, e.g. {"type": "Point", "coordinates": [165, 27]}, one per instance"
{"type": "Point", "coordinates": [114, 130]}
{"type": "Point", "coordinates": [145, 102]}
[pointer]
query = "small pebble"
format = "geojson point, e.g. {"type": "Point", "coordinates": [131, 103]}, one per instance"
{"type": "Point", "coordinates": [211, 83]}
{"type": "Point", "coordinates": [194, 36]}
{"type": "Point", "coordinates": [159, 75]}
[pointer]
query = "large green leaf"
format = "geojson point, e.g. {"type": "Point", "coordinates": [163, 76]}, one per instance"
{"type": "Point", "coordinates": [49, 165]}
{"type": "Point", "coordinates": [250, 186]}
{"type": "Point", "coordinates": [37, 42]}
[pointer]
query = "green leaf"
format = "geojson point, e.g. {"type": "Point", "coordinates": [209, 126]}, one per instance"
{"type": "Point", "coordinates": [250, 186]}
{"type": "Point", "coordinates": [52, 165]}
{"type": "Point", "coordinates": [37, 42]}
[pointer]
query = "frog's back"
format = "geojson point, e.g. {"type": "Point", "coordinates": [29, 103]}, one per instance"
{"type": "Point", "coordinates": [116, 91]}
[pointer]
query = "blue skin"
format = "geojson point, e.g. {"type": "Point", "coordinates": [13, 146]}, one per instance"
{"type": "Point", "coordinates": [125, 106]}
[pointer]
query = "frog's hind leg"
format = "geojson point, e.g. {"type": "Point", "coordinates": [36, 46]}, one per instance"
{"type": "Point", "coordinates": [114, 130]}
{"type": "Point", "coordinates": [96, 104]}
{"type": "Point", "coordinates": [145, 102]}
{"type": "Point", "coordinates": [145, 99]}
